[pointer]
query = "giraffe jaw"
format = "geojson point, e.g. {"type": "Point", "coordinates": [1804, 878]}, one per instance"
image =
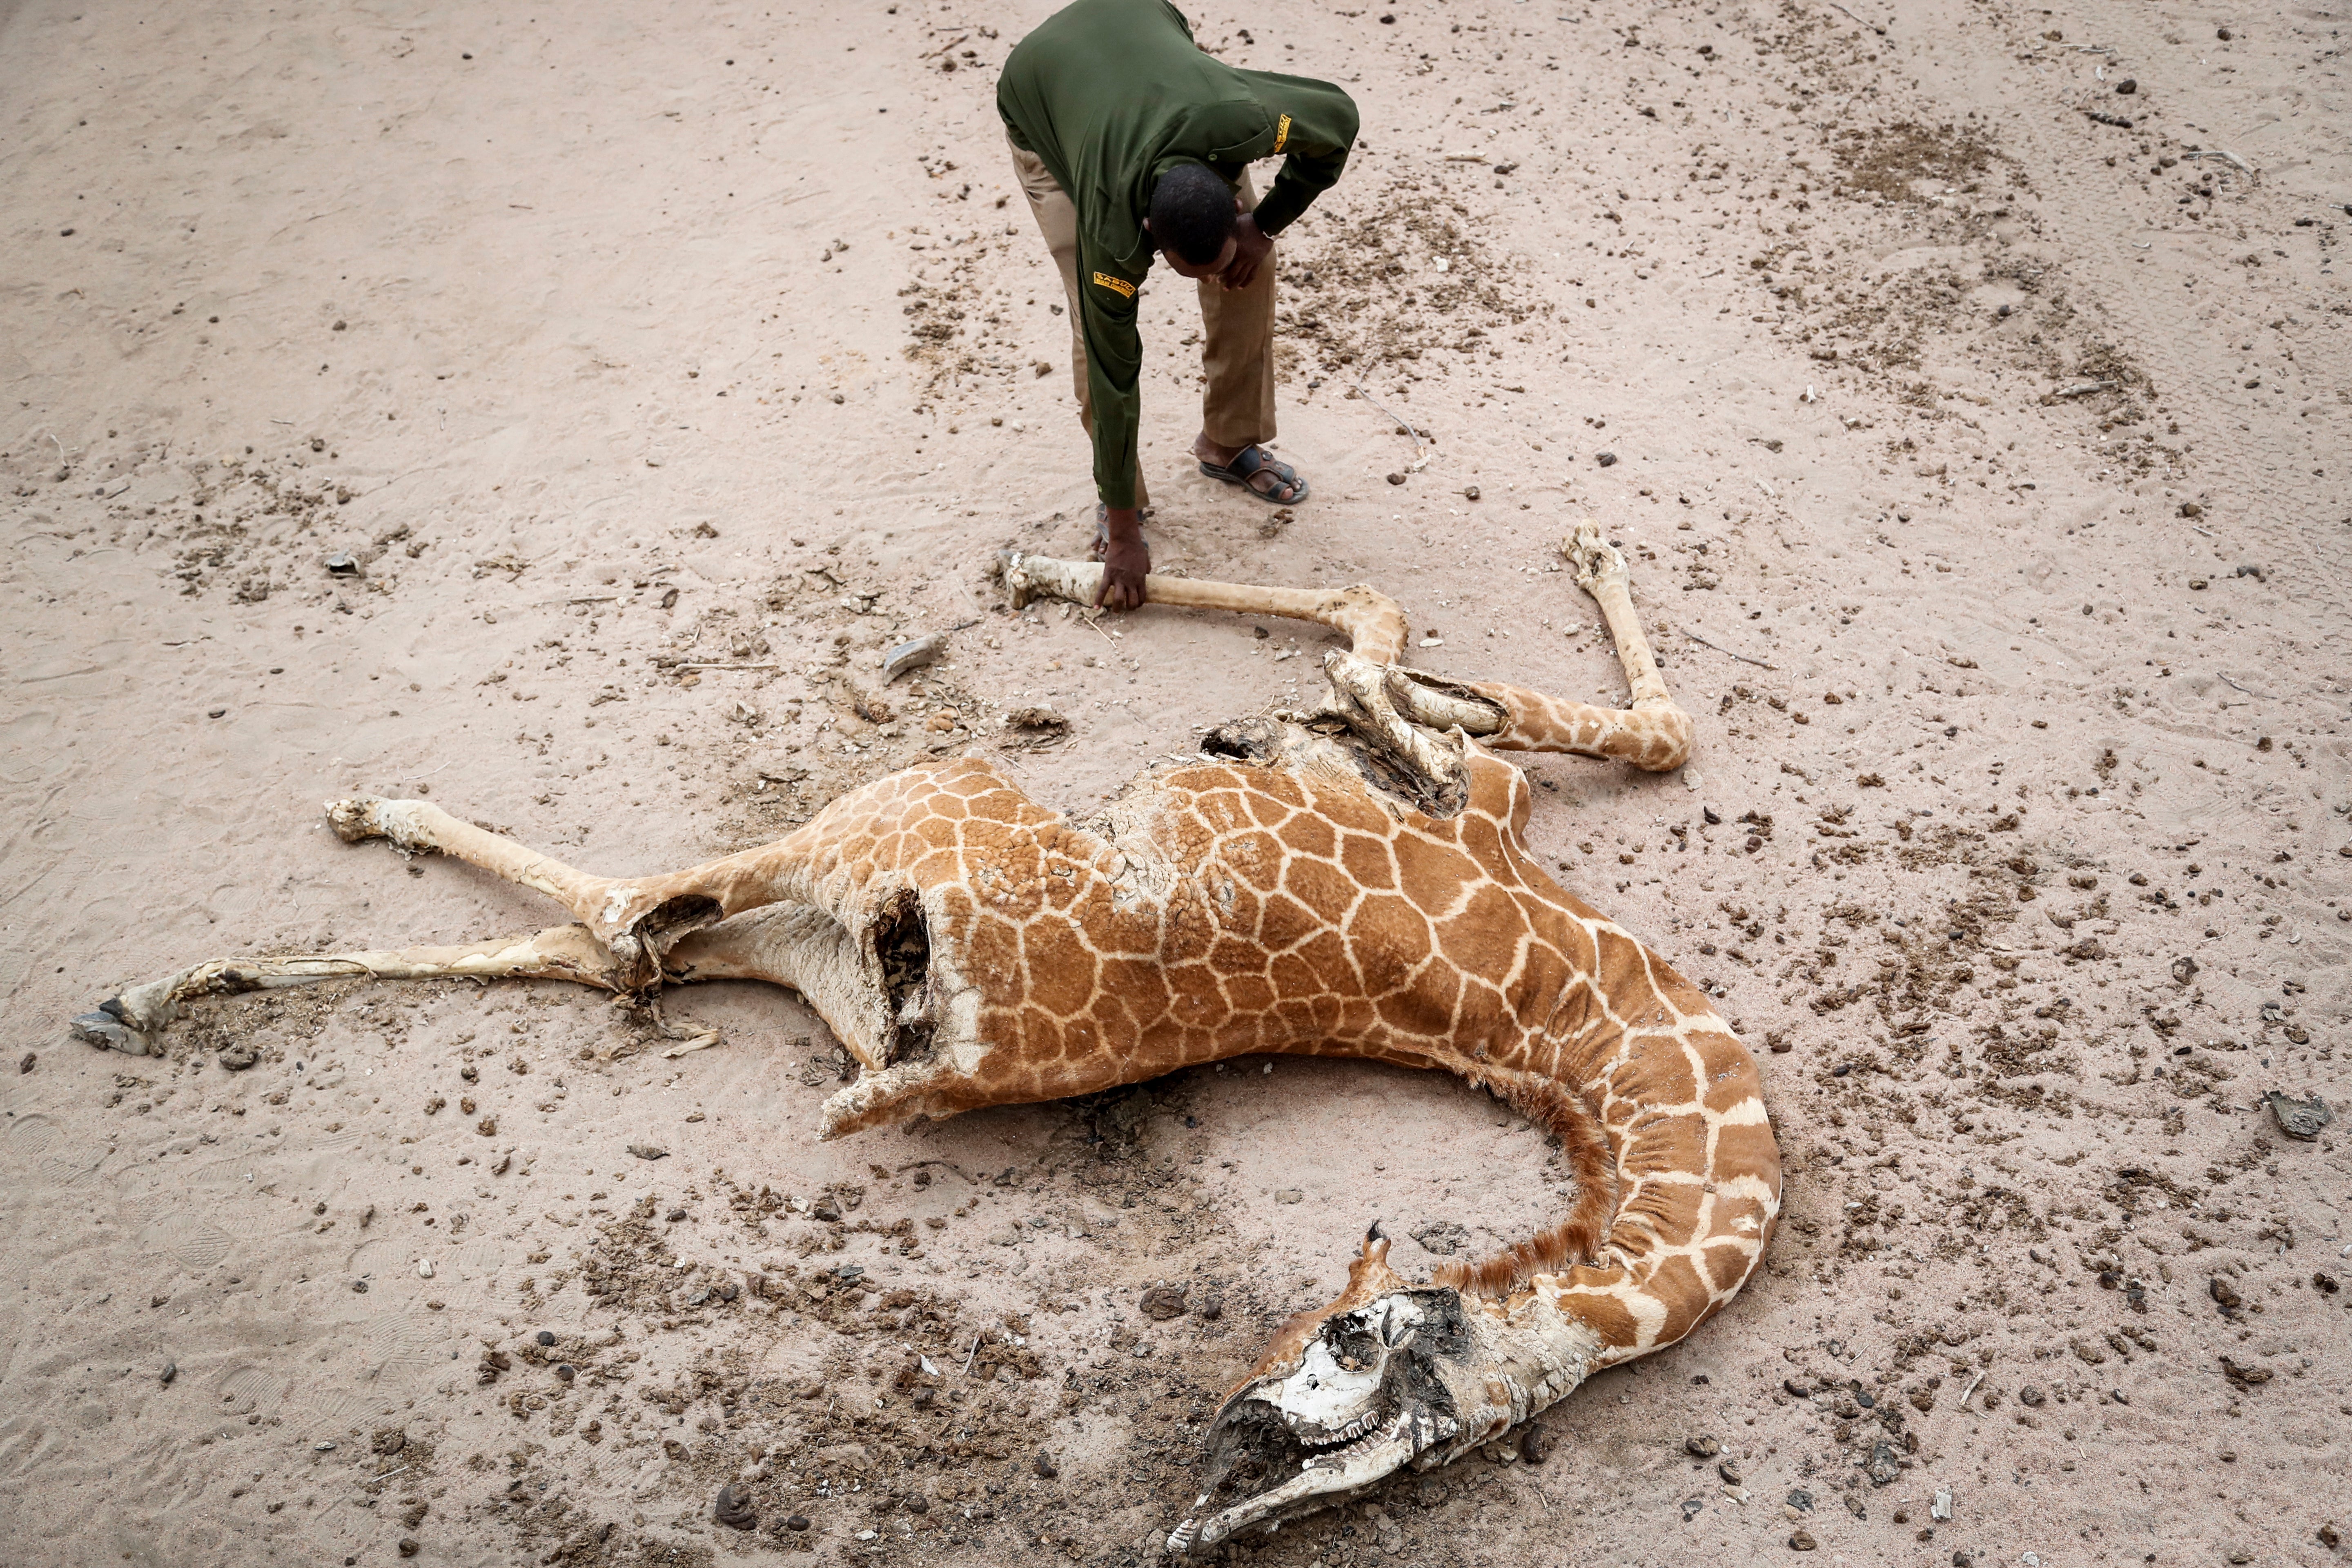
{"type": "Point", "coordinates": [1372, 1391]}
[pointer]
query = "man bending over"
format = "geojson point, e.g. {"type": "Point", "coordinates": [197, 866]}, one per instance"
{"type": "Point", "coordinates": [1128, 138]}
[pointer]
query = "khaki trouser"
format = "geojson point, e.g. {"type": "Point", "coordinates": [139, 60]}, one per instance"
{"type": "Point", "coordinates": [1237, 325]}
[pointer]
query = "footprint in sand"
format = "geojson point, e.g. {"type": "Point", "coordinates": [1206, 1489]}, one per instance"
{"type": "Point", "coordinates": [29, 1137]}
{"type": "Point", "coordinates": [409, 1339]}
{"type": "Point", "coordinates": [335, 1412]}
{"type": "Point", "coordinates": [196, 1245]}
{"type": "Point", "coordinates": [245, 1389]}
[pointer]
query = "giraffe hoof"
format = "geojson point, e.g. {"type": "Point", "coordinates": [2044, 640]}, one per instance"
{"type": "Point", "coordinates": [107, 1029]}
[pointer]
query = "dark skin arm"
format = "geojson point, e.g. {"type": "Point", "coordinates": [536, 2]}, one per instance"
{"type": "Point", "coordinates": [1126, 559]}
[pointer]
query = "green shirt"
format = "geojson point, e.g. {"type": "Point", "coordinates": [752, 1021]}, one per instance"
{"type": "Point", "coordinates": [1109, 94]}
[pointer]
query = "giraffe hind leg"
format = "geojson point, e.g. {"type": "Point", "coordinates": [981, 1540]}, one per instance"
{"type": "Point", "coordinates": [636, 918]}
{"type": "Point", "coordinates": [131, 1021]}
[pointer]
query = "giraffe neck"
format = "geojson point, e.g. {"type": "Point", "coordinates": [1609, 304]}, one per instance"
{"type": "Point", "coordinates": [1660, 1111]}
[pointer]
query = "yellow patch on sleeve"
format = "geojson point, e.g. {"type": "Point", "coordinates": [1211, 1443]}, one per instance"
{"type": "Point", "coordinates": [1118, 286]}
{"type": "Point", "coordinates": [1281, 132]}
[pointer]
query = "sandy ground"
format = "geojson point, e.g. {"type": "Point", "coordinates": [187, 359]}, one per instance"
{"type": "Point", "coordinates": [1987, 467]}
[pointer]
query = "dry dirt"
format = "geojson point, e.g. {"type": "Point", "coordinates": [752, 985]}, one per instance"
{"type": "Point", "coordinates": [659, 368]}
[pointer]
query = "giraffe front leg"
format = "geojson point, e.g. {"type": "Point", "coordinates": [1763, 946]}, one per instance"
{"type": "Point", "coordinates": [130, 1021]}
{"type": "Point", "coordinates": [636, 918]}
{"type": "Point", "coordinates": [1650, 732]}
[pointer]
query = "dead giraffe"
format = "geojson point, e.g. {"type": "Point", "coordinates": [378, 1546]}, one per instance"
{"type": "Point", "coordinates": [1352, 881]}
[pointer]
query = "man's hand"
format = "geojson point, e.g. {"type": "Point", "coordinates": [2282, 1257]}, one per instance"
{"type": "Point", "coordinates": [1126, 559]}
{"type": "Point", "coordinates": [1250, 250]}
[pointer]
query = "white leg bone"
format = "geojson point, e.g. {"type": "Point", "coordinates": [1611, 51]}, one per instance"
{"type": "Point", "coordinates": [1601, 572]}
{"type": "Point", "coordinates": [1373, 623]}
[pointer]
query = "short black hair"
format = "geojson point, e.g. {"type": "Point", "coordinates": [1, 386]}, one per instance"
{"type": "Point", "coordinates": [1193, 212]}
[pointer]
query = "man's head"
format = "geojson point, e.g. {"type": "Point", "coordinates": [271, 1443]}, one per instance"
{"type": "Point", "coordinates": [1191, 220]}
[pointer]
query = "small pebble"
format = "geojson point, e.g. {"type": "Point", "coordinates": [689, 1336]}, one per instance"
{"type": "Point", "coordinates": [1702, 1447]}
{"type": "Point", "coordinates": [2128, 87]}
{"type": "Point", "coordinates": [1608, 459]}
{"type": "Point", "coordinates": [1396, 479]}
{"type": "Point", "coordinates": [1802, 1540]}
{"type": "Point", "coordinates": [170, 1370]}
{"type": "Point", "coordinates": [1047, 1468]}
{"type": "Point", "coordinates": [1162, 1302]}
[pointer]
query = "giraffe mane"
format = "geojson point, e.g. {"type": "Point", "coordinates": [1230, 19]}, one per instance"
{"type": "Point", "coordinates": [1574, 1239]}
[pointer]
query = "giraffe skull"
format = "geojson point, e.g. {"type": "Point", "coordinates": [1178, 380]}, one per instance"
{"type": "Point", "coordinates": [1371, 1391]}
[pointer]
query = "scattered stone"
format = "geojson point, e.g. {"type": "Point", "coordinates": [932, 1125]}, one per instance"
{"type": "Point", "coordinates": [1802, 1540]}
{"type": "Point", "coordinates": [734, 1512]}
{"type": "Point", "coordinates": [2184, 970]}
{"type": "Point", "coordinates": [1940, 1510]}
{"type": "Point", "coordinates": [1731, 1473]}
{"type": "Point", "coordinates": [1397, 478]}
{"type": "Point", "coordinates": [1046, 1468]}
{"type": "Point", "coordinates": [826, 1208]}
{"type": "Point", "coordinates": [2300, 1119]}
{"type": "Point", "coordinates": [239, 1056]}
{"type": "Point", "coordinates": [2245, 1377]}
{"type": "Point", "coordinates": [409, 1546]}
{"type": "Point", "coordinates": [1798, 1387]}
{"type": "Point", "coordinates": [1801, 1499]}
{"type": "Point", "coordinates": [565, 1371]}
{"type": "Point", "coordinates": [914, 654]}
{"type": "Point", "coordinates": [24, 1063]}
{"type": "Point", "coordinates": [341, 564]}
{"type": "Point", "coordinates": [170, 1370]}
{"type": "Point", "coordinates": [797, 1521]}
{"type": "Point", "coordinates": [2127, 86]}
{"type": "Point", "coordinates": [1470, 492]}
{"type": "Point", "coordinates": [1692, 1508]}
{"type": "Point", "coordinates": [1289, 1196]}
{"type": "Point", "coordinates": [1162, 1302]}
{"type": "Point", "coordinates": [1885, 1466]}
{"type": "Point", "coordinates": [1608, 459]}
{"type": "Point", "coordinates": [648, 1151]}
{"type": "Point", "coordinates": [2031, 1396]}
{"type": "Point", "coordinates": [1536, 1442]}
{"type": "Point", "coordinates": [1702, 1447]}
{"type": "Point", "coordinates": [2225, 1297]}
{"type": "Point", "coordinates": [1212, 1307]}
